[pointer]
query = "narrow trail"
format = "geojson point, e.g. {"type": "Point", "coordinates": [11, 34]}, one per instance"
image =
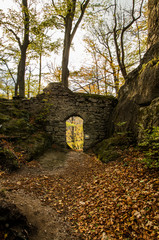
{"type": "Point", "coordinates": [70, 166]}
{"type": "Point", "coordinates": [73, 196]}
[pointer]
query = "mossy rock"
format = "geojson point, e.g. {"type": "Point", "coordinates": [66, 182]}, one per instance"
{"type": "Point", "coordinates": [9, 108]}
{"type": "Point", "coordinates": [118, 140]}
{"type": "Point", "coordinates": [17, 127]}
{"type": "Point", "coordinates": [8, 160]}
{"type": "Point", "coordinates": [4, 118]}
{"type": "Point", "coordinates": [108, 149]}
{"type": "Point", "coordinates": [109, 155]}
{"type": "Point", "coordinates": [34, 145]}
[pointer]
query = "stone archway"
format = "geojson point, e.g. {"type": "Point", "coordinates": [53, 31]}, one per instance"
{"type": "Point", "coordinates": [61, 103]}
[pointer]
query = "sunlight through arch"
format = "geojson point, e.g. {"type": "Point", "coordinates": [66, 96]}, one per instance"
{"type": "Point", "coordinates": [75, 133]}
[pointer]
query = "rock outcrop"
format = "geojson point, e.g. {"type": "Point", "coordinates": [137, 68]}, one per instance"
{"type": "Point", "coordinates": [139, 91]}
{"type": "Point", "coordinates": [139, 96]}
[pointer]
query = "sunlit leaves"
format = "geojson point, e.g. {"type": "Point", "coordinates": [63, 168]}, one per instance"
{"type": "Point", "coordinates": [74, 132]}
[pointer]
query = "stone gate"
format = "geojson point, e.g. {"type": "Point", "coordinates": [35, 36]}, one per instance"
{"type": "Point", "coordinates": [58, 104]}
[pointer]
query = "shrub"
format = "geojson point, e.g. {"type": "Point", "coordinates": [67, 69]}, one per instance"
{"type": "Point", "coordinates": [150, 146]}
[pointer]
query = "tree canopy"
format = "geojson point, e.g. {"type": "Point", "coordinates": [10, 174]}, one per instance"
{"type": "Point", "coordinates": [115, 40]}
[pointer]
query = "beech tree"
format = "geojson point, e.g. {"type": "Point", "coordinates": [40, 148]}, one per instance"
{"type": "Point", "coordinates": [23, 49]}
{"type": "Point", "coordinates": [26, 38]}
{"type": "Point", "coordinates": [72, 12]}
{"type": "Point", "coordinates": [18, 27]}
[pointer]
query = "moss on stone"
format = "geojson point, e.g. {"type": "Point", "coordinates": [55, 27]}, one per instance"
{"type": "Point", "coordinates": [149, 64]}
{"type": "Point", "coordinates": [16, 127]}
{"type": "Point", "coordinates": [34, 145]}
{"type": "Point", "coordinates": [25, 136]}
{"type": "Point", "coordinates": [8, 160]}
{"type": "Point", "coordinates": [109, 149]}
{"type": "Point", "coordinates": [96, 96]}
{"type": "Point", "coordinates": [4, 118]}
{"type": "Point", "coordinates": [109, 155]}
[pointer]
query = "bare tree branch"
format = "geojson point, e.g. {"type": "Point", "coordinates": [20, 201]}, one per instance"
{"type": "Point", "coordinates": [5, 62]}
{"type": "Point", "coordinates": [83, 8]}
{"type": "Point", "coordinates": [16, 36]}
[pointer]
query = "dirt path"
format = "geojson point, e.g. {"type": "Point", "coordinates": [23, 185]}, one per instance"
{"type": "Point", "coordinates": [73, 196]}
{"type": "Point", "coordinates": [50, 225]}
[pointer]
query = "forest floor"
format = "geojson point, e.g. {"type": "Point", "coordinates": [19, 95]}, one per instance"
{"type": "Point", "coordinates": [72, 195]}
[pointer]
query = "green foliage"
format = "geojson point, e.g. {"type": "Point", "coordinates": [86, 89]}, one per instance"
{"type": "Point", "coordinates": [68, 124]}
{"type": "Point", "coordinates": [120, 124]}
{"type": "Point", "coordinates": [150, 146]}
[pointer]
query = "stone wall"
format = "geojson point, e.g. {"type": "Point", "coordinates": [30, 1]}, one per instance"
{"type": "Point", "coordinates": [153, 22]}
{"type": "Point", "coordinates": [56, 104]}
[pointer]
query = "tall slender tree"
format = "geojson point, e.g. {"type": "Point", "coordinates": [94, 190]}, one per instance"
{"type": "Point", "coordinates": [119, 32]}
{"type": "Point", "coordinates": [71, 24]}
{"type": "Point", "coordinates": [29, 36]}
{"type": "Point", "coordinates": [23, 49]}
{"type": "Point", "coordinates": [17, 29]}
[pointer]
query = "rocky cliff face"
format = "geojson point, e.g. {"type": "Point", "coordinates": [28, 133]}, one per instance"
{"type": "Point", "coordinates": [139, 91]}
{"type": "Point", "coordinates": [139, 96]}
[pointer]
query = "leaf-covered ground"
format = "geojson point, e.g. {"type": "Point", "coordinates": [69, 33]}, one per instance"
{"type": "Point", "coordinates": [118, 200]}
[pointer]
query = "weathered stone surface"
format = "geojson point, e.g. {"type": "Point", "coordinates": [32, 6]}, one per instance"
{"type": "Point", "coordinates": [57, 104]}
{"type": "Point", "coordinates": [141, 88]}
{"type": "Point", "coordinates": [138, 94]}
{"type": "Point", "coordinates": [20, 133]}
{"type": "Point", "coordinates": [110, 149]}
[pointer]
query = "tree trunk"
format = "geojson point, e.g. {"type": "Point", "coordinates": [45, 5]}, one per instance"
{"type": "Point", "coordinates": [21, 74]}
{"type": "Point", "coordinates": [66, 50]}
{"type": "Point", "coordinates": [115, 75]}
{"type": "Point", "coordinates": [40, 68]}
{"type": "Point", "coordinates": [69, 35]}
{"type": "Point", "coordinates": [16, 89]}
{"type": "Point", "coordinates": [29, 79]}
{"type": "Point", "coordinates": [23, 48]}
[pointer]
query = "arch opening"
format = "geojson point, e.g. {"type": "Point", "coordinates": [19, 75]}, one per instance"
{"type": "Point", "coordinates": [75, 133]}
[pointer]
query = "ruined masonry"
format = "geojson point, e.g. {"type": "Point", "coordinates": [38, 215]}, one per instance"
{"type": "Point", "coordinates": [58, 103]}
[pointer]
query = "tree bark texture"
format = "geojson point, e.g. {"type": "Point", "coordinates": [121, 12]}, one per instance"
{"type": "Point", "coordinates": [66, 49]}
{"type": "Point", "coordinates": [69, 34]}
{"type": "Point", "coordinates": [23, 48]}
